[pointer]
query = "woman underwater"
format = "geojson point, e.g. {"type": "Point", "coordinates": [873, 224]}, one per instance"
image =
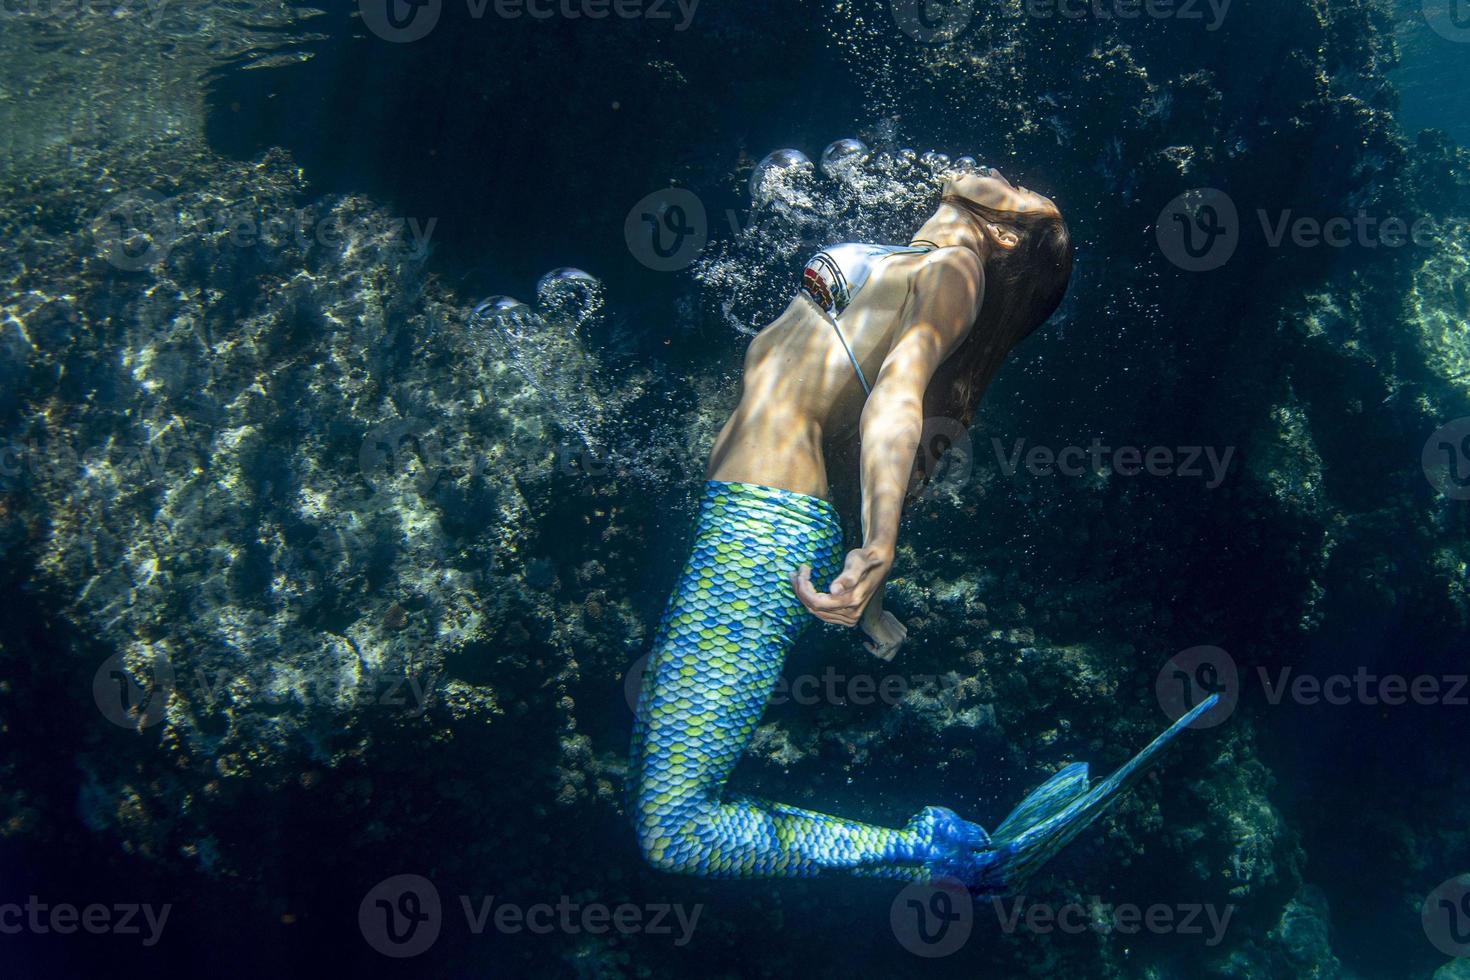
{"type": "Point", "coordinates": [929, 323]}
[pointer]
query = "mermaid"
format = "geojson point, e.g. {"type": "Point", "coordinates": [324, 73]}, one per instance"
{"type": "Point", "coordinates": [879, 336]}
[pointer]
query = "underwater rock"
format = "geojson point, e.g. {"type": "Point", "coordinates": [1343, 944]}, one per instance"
{"type": "Point", "coordinates": [1303, 934]}
{"type": "Point", "coordinates": [290, 469]}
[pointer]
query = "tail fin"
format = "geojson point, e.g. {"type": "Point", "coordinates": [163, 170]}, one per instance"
{"type": "Point", "coordinates": [1064, 806]}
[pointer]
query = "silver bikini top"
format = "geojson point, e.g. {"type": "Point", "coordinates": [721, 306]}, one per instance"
{"type": "Point", "coordinates": [834, 277]}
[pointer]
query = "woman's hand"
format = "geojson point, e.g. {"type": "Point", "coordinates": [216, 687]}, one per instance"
{"type": "Point", "coordinates": [885, 634]}
{"type": "Point", "coordinates": [861, 579]}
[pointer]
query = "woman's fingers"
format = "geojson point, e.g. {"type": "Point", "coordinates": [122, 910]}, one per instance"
{"type": "Point", "coordinates": [843, 609]}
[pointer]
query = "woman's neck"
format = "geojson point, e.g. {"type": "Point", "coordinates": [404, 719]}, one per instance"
{"type": "Point", "coordinates": [950, 226]}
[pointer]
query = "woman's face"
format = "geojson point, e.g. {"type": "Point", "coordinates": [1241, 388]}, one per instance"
{"type": "Point", "coordinates": [991, 189]}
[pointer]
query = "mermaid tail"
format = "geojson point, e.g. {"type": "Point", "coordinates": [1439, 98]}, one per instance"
{"type": "Point", "coordinates": [717, 655]}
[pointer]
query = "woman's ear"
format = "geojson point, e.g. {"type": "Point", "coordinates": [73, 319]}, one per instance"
{"type": "Point", "coordinates": [1003, 236]}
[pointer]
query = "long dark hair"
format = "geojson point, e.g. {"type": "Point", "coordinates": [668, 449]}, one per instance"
{"type": "Point", "coordinates": [1023, 287]}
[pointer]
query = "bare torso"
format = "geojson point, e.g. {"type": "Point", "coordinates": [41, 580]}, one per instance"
{"type": "Point", "coordinates": [798, 384]}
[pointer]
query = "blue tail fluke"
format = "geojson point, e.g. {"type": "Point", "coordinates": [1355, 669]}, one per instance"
{"type": "Point", "coordinates": [1060, 809]}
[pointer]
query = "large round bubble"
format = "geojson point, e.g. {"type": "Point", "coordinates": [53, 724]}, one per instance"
{"type": "Point", "coordinates": [499, 306]}
{"type": "Point", "coordinates": [569, 294]}
{"type": "Point", "coordinates": [775, 168]}
{"type": "Point", "coordinates": [565, 276]}
{"type": "Point", "coordinates": [935, 161]}
{"type": "Point", "coordinates": [843, 155]}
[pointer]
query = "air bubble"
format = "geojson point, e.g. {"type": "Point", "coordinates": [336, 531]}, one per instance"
{"type": "Point", "coordinates": [569, 294]}
{"type": "Point", "coordinates": [776, 169]}
{"type": "Point", "coordinates": [843, 155]}
{"type": "Point", "coordinates": [499, 306]}
{"type": "Point", "coordinates": [935, 161]}
{"type": "Point", "coordinates": [565, 276]}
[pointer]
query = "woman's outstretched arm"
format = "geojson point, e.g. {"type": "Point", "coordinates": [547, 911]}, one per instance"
{"type": "Point", "coordinates": [946, 298]}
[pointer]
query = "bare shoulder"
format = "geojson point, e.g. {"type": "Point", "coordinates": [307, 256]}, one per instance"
{"type": "Point", "coordinates": [952, 261]}
{"type": "Point", "coordinates": [948, 288]}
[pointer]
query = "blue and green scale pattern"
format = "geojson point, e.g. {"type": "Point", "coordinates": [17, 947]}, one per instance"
{"type": "Point", "coordinates": [716, 657]}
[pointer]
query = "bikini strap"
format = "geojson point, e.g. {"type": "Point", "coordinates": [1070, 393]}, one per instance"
{"type": "Point", "coordinates": [862, 378]}
{"type": "Point", "coordinates": [923, 241]}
